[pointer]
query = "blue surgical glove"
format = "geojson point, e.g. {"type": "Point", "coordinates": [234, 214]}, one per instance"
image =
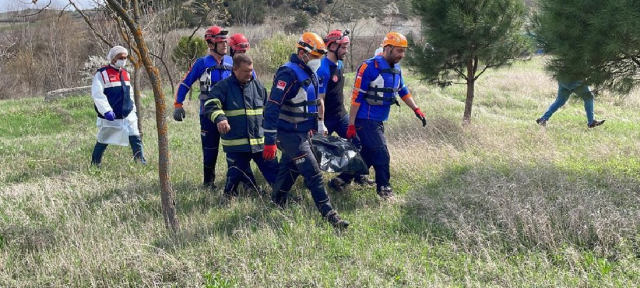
{"type": "Point", "coordinates": [110, 116]}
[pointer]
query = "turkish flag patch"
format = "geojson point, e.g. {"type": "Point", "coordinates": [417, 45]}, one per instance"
{"type": "Point", "coordinates": [281, 84]}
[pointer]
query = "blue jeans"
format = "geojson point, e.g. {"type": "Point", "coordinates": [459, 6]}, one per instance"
{"type": "Point", "coordinates": [564, 91]}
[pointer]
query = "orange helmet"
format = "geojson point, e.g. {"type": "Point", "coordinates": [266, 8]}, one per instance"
{"type": "Point", "coordinates": [238, 42]}
{"type": "Point", "coordinates": [215, 34]}
{"type": "Point", "coordinates": [395, 39]}
{"type": "Point", "coordinates": [336, 36]}
{"type": "Point", "coordinates": [312, 43]}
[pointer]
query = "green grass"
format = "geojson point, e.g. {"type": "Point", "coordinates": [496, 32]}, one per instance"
{"type": "Point", "coordinates": [501, 202]}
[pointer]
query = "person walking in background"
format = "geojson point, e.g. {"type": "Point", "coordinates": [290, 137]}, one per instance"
{"type": "Point", "coordinates": [113, 101]}
{"type": "Point", "coordinates": [236, 106]}
{"type": "Point", "coordinates": [565, 89]}
{"type": "Point", "coordinates": [378, 82]}
{"type": "Point", "coordinates": [290, 116]}
{"type": "Point", "coordinates": [331, 81]}
{"type": "Point", "coordinates": [208, 70]}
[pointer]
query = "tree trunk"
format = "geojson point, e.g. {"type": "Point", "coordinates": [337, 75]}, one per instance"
{"type": "Point", "coordinates": [136, 94]}
{"type": "Point", "coordinates": [166, 191]}
{"type": "Point", "coordinates": [468, 103]}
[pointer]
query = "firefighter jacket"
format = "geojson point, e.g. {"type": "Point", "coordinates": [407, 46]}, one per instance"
{"type": "Point", "coordinates": [207, 71]}
{"type": "Point", "coordinates": [242, 106]}
{"type": "Point", "coordinates": [376, 87]}
{"type": "Point", "coordinates": [293, 103]}
{"type": "Point", "coordinates": [111, 91]}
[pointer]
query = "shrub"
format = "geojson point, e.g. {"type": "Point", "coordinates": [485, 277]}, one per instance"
{"type": "Point", "coordinates": [300, 24]}
{"type": "Point", "coordinates": [187, 50]}
{"type": "Point", "coordinates": [271, 53]}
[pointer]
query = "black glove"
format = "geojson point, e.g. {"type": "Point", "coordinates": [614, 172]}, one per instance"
{"type": "Point", "coordinates": [179, 114]}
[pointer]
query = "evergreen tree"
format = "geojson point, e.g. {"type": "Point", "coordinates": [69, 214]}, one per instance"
{"type": "Point", "coordinates": [466, 37]}
{"type": "Point", "coordinates": [594, 40]}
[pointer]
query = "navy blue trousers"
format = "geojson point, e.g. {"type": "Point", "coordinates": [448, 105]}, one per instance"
{"type": "Point", "coordinates": [239, 162]}
{"type": "Point", "coordinates": [374, 149]}
{"type": "Point", "coordinates": [297, 159]}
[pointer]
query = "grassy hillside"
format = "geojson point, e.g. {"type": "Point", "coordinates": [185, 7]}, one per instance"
{"type": "Point", "coordinates": [498, 203]}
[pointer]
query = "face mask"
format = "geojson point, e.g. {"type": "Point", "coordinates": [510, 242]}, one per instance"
{"type": "Point", "coordinates": [314, 65]}
{"type": "Point", "coordinates": [120, 63]}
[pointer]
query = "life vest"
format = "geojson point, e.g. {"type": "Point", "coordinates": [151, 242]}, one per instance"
{"type": "Point", "coordinates": [384, 89]}
{"type": "Point", "coordinates": [213, 75]}
{"type": "Point", "coordinates": [304, 106]}
{"type": "Point", "coordinates": [117, 88]}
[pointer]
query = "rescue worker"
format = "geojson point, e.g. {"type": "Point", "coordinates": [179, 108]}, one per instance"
{"type": "Point", "coordinates": [331, 80]}
{"type": "Point", "coordinates": [208, 70]}
{"type": "Point", "coordinates": [290, 116]}
{"type": "Point", "coordinates": [113, 101]}
{"type": "Point", "coordinates": [378, 82]}
{"type": "Point", "coordinates": [236, 104]}
{"type": "Point", "coordinates": [238, 43]}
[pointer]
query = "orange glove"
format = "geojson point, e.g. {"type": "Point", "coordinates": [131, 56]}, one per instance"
{"type": "Point", "coordinates": [420, 116]}
{"type": "Point", "coordinates": [269, 152]}
{"type": "Point", "coordinates": [351, 131]}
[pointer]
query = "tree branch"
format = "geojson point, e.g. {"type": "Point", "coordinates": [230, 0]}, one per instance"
{"type": "Point", "coordinates": [93, 29]}
{"type": "Point", "coordinates": [40, 10]}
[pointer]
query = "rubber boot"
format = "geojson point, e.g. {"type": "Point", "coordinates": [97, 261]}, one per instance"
{"type": "Point", "coordinates": [136, 148]}
{"type": "Point", "coordinates": [98, 151]}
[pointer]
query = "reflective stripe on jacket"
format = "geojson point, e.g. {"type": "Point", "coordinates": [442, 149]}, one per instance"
{"type": "Point", "coordinates": [242, 106]}
{"type": "Point", "coordinates": [304, 106]}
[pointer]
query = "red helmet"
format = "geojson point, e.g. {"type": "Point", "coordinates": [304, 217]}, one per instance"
{"type": "Point", "coordinates": [215, 34]}
{"type": "Point", "coordinates": [336, 36]}
{"type": "Point", "coordinates": [239, 43]}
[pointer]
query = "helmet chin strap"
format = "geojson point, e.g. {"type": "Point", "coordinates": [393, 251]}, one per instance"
{"type": "Point", "coordinates": [336, 50]}
{"type": "Point", "coordinates": [215, 49]}
{"type": "Point", "coordinates": [388, 54]}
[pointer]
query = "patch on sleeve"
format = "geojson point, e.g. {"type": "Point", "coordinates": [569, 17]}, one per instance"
{"type": "Point", "coordinates": [281, 84]}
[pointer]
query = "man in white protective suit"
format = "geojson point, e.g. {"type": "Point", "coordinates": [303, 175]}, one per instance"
{"type": "Point", "coordinates": [116, 110]}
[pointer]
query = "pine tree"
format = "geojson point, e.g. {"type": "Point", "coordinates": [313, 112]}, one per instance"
{"type": "Point", "coordinates": [593, 40]}
{"type": "Point", "coordinates": [466, 37]}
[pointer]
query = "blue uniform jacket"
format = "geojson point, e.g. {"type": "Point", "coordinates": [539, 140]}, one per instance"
{"type": "Point", "coordinates": [197, 71]}
{"type": "Point", "coordinates": [285, 86]}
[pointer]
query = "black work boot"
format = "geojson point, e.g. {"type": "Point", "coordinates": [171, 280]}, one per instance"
{"type": "Point", "coordinates": [385, 192]}
{"type": "Point", "coordinates": [364, 180]}
{"type": "Point", "coordinates": [98, 151]}
{"type": "Point", "coordinates": [337, 184]}
{"type": "Point", "coordinates": [280, 198]}
{"type": "Point", "coordinates": [336, 221]}
{"type": "Point", "coordinates": [596, 123]}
